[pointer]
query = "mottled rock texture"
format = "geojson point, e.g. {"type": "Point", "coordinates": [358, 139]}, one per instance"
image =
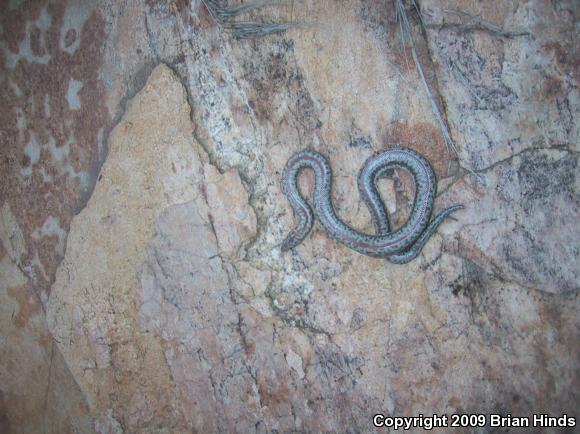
{"type": "Point", "coordinates": [142, 287]}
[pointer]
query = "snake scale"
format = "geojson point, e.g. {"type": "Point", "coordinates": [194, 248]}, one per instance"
{"type": "Point", "coordinates": [399, 246]}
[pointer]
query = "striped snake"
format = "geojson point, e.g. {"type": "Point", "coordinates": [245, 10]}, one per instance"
{"type": "Point", "coordinates": [399, 246]}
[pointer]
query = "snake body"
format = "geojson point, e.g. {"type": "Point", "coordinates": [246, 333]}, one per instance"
{"type": "Point", "coordinates": [400, 246]}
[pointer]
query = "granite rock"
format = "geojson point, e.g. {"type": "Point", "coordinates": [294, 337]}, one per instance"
{"type": "Point", "coordinates": [154, 296]}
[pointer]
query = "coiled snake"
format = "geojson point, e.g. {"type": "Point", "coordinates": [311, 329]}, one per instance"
{"type": "Point", "coordinates": [400, 246]}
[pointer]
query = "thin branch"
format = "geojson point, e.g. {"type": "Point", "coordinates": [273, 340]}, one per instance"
{"type": "Point", "coordinates": [477, 23]}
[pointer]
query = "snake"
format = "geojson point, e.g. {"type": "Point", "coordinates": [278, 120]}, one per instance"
{"type": "Point", "coordinates": [397, 246]}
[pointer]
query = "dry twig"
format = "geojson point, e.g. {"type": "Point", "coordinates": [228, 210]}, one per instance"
{"type": "Point", "coordinates": [475, 22]}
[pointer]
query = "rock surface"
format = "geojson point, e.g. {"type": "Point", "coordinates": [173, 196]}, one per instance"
{"type": "Point", "coordinates": [142, 284]}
